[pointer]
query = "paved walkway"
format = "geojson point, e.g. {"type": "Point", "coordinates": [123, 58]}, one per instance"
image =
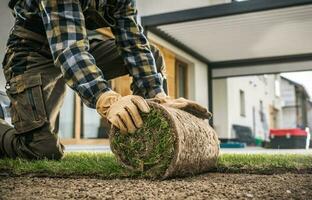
{"type": "Point", "coordinates": [258, 150]}
{"type": "Point", "coordinates": [248, 150]}
{"type": "Point", "coordinates": [87, 148]}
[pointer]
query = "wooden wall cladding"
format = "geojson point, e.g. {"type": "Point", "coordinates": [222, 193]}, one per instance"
{"type": "Point", "coordinates": [170, 60]}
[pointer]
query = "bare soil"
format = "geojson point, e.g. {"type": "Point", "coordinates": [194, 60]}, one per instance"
{"type": "Point", "coordinates": [208, 186]}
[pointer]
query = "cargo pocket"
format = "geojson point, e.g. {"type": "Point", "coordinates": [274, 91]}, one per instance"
{"type": "Point", "coordinates": [28, 108]}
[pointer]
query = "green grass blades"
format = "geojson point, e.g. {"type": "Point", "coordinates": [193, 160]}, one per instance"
{"type": "Point", "coordinates": [104, 165]}
{"type": "Point", "coordinates": [74, 164]}
{"type": "Point", "coordinates": [150, 149]}
{"type": "Point", "coordinates": [264, 163]}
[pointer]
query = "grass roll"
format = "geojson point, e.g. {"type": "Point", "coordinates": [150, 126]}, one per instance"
{"type": "Point", "coordinates": [171, 143]}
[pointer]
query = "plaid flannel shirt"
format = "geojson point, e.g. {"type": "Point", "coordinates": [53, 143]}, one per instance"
{"type": "Point", "coordinates": [66, 33]}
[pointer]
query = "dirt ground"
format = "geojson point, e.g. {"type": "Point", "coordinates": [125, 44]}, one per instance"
{"type": "Point", "coordinates": [209, 186]}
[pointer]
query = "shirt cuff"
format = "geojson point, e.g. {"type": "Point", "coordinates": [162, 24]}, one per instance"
{"type": "Point", "coordinates": [97, 96]}
{"type": "Point", "coordinates": [90, 100]}
{"type": "Point", "coordinates": [152, 93]}
{"type": "Point", "coordinates": [150, 85]}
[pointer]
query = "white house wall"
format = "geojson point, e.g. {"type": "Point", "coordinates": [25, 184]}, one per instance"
{"type": "Point", "coordinates": [256, 88]}
{"type": "Point", "coordinates": [289, 117]}
{"type": "Point", "coordinates": [233, 92]}
{"type": "Point", "coordinates": [221, 109]}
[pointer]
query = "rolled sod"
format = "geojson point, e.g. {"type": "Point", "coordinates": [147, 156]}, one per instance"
{"type": "Point", "coordinates": [171, 143]}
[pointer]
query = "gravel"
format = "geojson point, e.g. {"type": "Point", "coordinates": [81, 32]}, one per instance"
{"type": "Point", "coordinates": [208, 186]}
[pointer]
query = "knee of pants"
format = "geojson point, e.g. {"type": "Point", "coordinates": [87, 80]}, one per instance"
{"type": "Point", "coordinates": [47, 146]}
{"type": "Point", "coordinates": [33, 145]}
{"type": "Point", "coordinates": [159, 59]}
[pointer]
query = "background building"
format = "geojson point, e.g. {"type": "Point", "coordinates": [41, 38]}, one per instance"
{"type": "Point", "coordinates": [296, 105]}
{"type": "Point", "coordinates": [246, 108]}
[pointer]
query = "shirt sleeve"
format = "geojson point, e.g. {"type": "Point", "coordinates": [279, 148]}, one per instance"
{"type": "Point", "coordinates": [135, 49]}
{"type": "Point", "coordinates": [66, 33]}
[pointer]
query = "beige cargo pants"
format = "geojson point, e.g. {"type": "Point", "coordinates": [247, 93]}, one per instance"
{"type": "Point", "coordinates": [36, 90]}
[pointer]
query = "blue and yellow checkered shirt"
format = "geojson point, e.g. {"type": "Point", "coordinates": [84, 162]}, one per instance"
{"type": "Point", "coordinates": [65, 28]}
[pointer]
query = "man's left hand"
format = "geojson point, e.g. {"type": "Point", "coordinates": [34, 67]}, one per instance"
{"type": "Point", "coordinates": [183, 104]}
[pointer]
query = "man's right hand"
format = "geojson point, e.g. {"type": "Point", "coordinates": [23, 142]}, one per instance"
{"type": "Point", "coordinates": [122, 112]}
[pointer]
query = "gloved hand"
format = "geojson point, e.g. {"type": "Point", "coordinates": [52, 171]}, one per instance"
{"type": "Point", "coordinates": [183, 104]}
{"type": "Point", "coordinates": [122, 112]}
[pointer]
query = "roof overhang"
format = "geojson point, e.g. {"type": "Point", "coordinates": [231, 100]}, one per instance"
{"type": "Point", "coordinates": [259, 36]}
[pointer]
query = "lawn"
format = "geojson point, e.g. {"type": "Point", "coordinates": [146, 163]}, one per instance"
{"type": "Point", "coordinates": [104, 165]}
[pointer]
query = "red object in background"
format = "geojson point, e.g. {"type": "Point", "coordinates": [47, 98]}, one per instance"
{"type": "Point", "coordinates": [287, 132]}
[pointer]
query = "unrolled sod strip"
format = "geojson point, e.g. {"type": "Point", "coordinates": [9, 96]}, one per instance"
{"type": "Point", "coordinates": [172, 143]}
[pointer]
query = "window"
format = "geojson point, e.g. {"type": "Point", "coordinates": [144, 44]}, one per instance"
{"type": "Point", "coordinates": [93, 125]}
{"type": "Point", "coordinates": [66, 117]}
{"type": "Point", "coordinates": [181, 79]}
{"type": "Point", "coordinates": [242, 103]}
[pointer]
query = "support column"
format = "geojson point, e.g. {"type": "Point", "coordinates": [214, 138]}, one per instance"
{"type": "Point", "coordinates": [210, 92]}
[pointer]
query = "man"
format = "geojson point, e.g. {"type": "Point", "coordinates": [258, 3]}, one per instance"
{"type": "Point", "coordinates": [48, 47]}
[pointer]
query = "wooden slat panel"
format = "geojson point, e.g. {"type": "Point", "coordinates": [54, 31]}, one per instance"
{"type": "Point", "coordinates": [77, 118]}
{"type": "Point", "coordinates": [170, 60]}
{"type": "Point", "coordinates": [171, 73]}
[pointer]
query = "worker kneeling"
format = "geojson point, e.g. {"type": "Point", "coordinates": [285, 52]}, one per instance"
{"type": "Point", "coordinates": [48, 48]}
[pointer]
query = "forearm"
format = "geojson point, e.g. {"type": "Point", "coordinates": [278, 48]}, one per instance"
{"type": "Point", "coordinates": [66, 33]}
{"type": "Point", "coordinates": [81, 74]}
{"type": "Point", "coordinates": [135, 50]}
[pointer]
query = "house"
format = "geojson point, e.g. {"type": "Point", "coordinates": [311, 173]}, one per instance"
{"type": "Point", "coordinates": [248, 107]}
{"type": "Point", "coordinates": [245, 108]}
{"type": "Point", "coordinates": [296, 105]}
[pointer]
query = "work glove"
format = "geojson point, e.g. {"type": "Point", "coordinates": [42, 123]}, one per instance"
{"type": "Point", "coordinates": [183, 104]}
{"type": "Point", "coordinates": [122, 112]}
